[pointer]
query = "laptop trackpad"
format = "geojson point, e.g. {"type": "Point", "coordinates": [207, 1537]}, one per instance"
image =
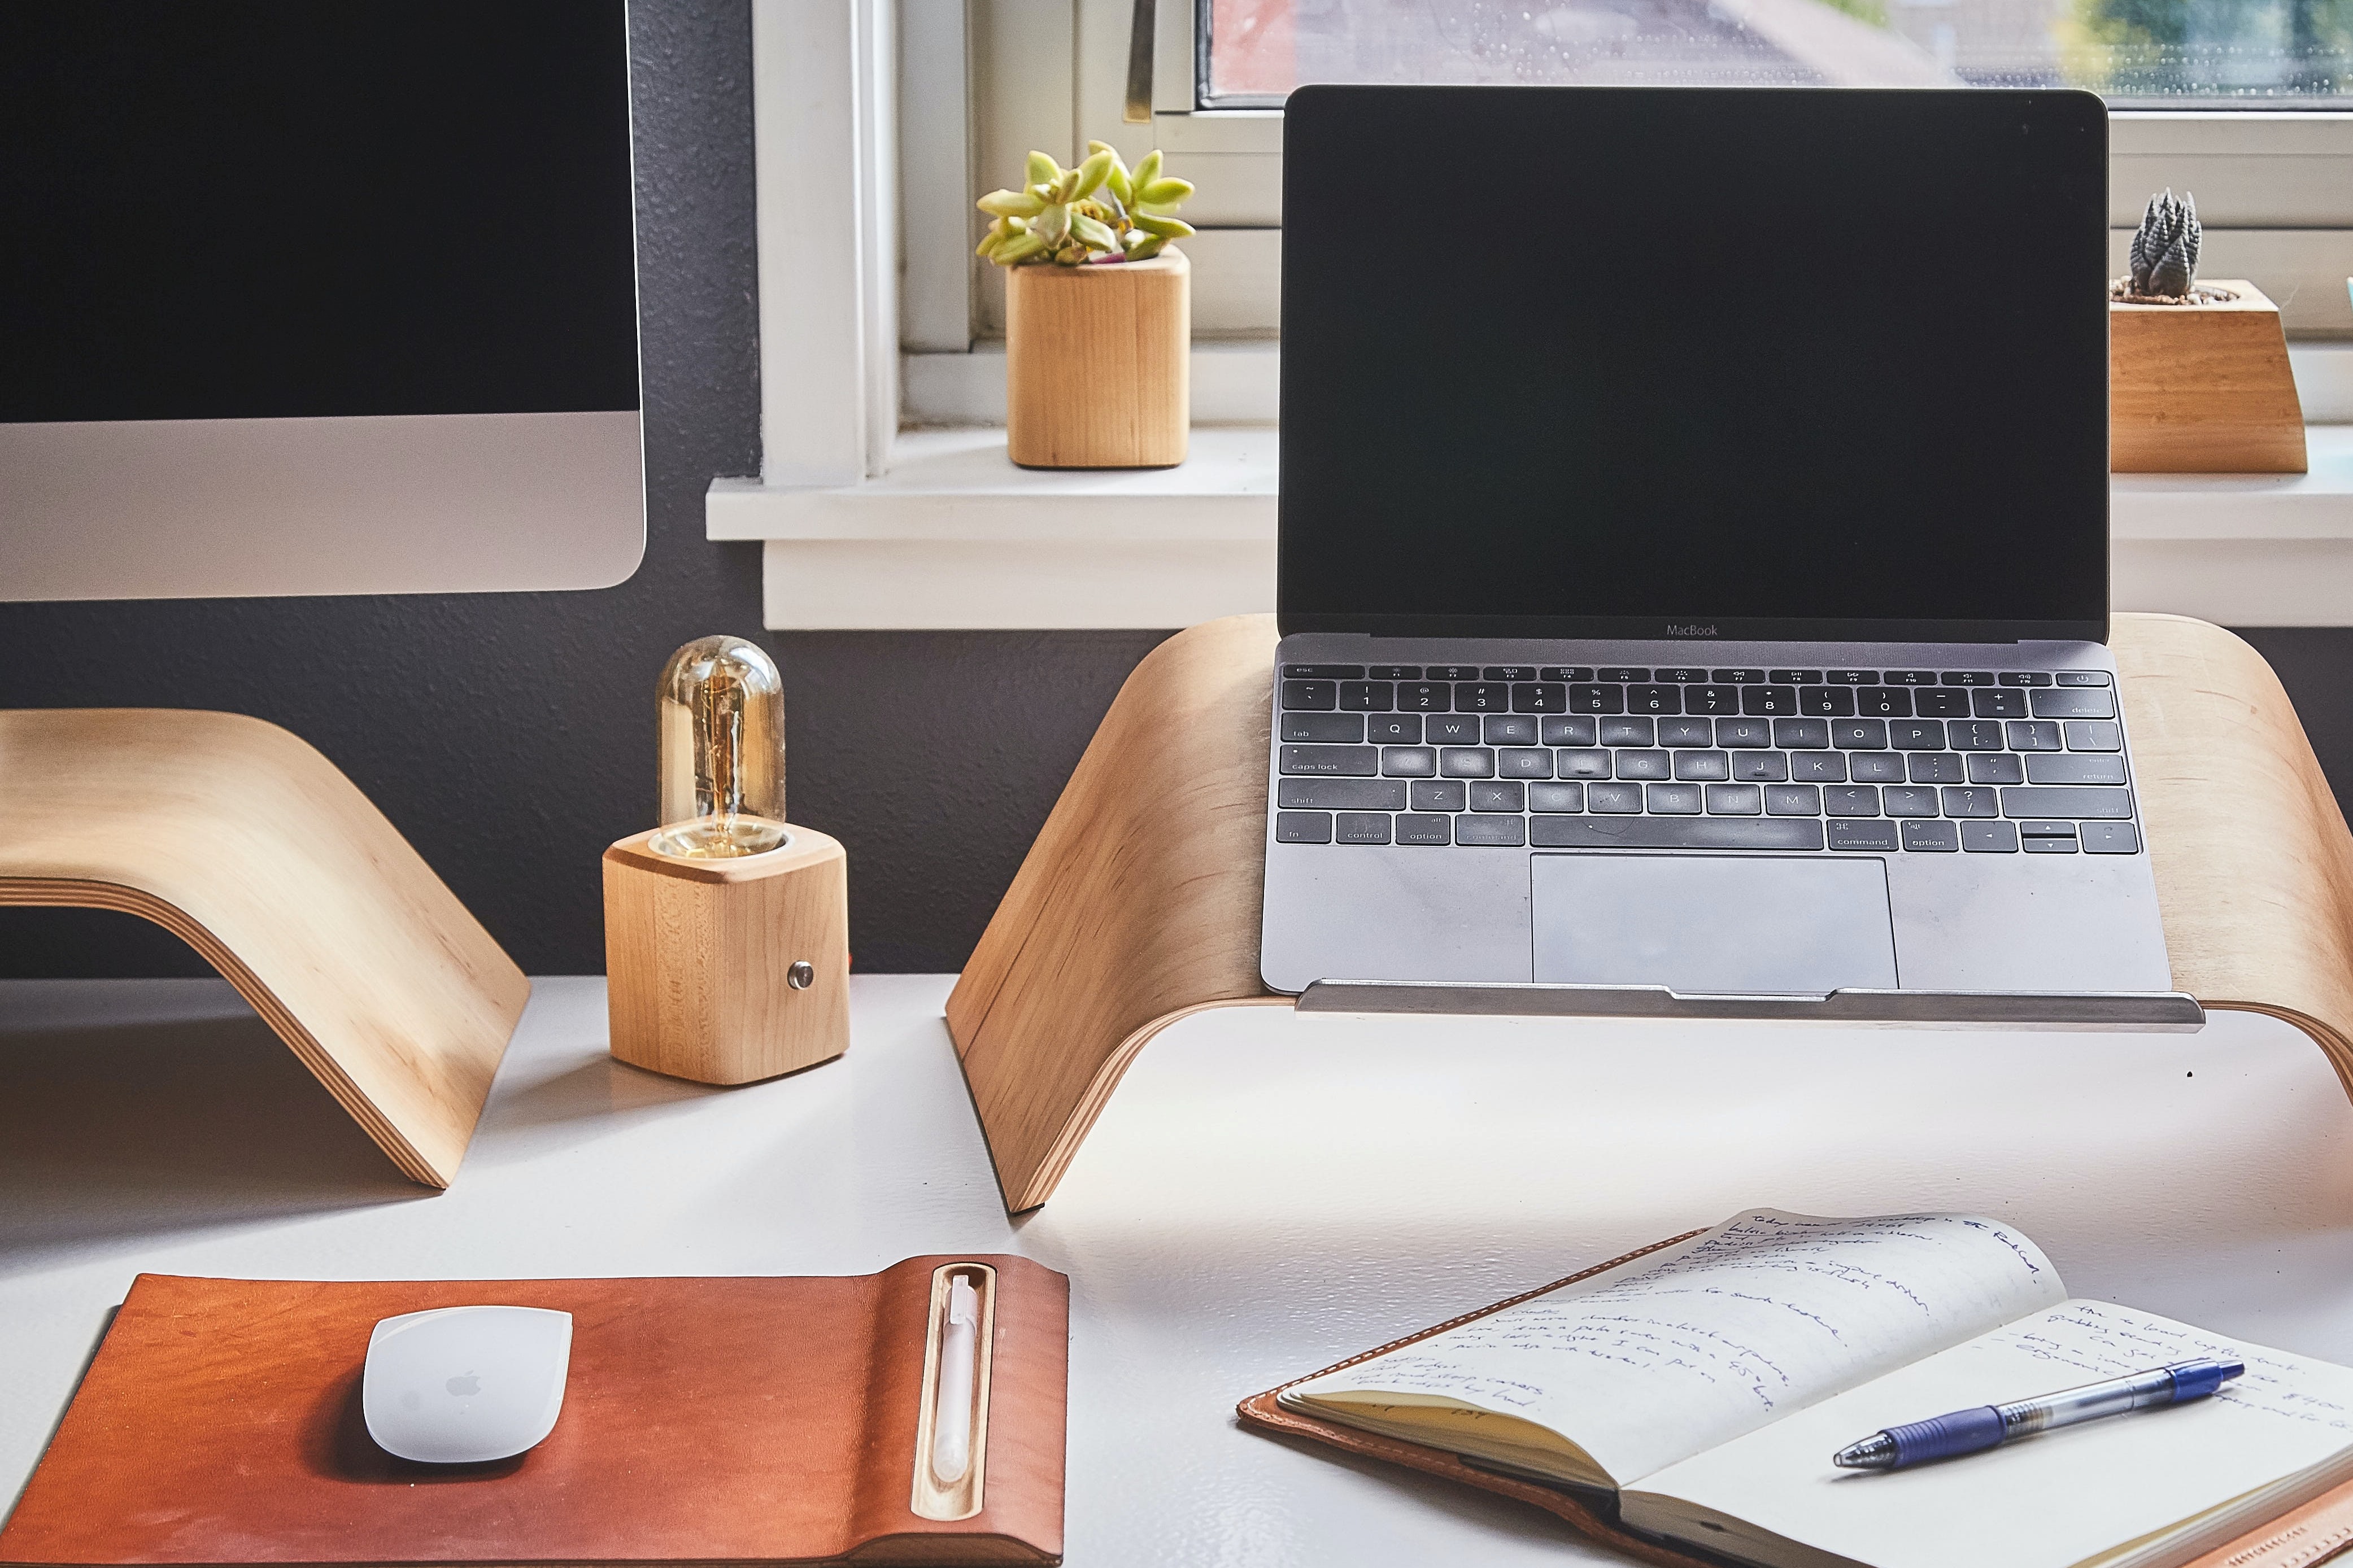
{"type": "Point", "coordinates": [1712, 923]}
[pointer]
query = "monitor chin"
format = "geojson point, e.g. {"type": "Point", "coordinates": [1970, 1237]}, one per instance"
{"type": "Point", "coordinates": [174, 508]}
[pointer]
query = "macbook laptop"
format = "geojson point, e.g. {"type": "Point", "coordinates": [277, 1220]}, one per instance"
{"type": "Point", "coordinates": [1694, 546]}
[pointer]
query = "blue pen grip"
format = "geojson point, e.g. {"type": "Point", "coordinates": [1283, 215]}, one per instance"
{"type": "Point", "coordinates": [2197, 1379]}
{"type": "Point", "coordinates": [1943, 1437]}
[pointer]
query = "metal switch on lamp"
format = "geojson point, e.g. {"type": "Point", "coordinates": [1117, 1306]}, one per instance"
{"type": "Point", "coordinates": [726, 928]}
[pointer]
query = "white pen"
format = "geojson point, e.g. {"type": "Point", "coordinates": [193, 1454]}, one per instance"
{"type": "Point", "coordinates": [959, 1360]}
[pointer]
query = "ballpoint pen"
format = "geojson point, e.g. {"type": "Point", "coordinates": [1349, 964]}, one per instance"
{"type": "Point", "coordinates": [1990, 1425]}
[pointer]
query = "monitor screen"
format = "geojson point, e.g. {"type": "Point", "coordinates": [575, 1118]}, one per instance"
{"type": "Point", "coordinates": [308, 298]}
{"type": "Point", "coordinates": [1757, 362]}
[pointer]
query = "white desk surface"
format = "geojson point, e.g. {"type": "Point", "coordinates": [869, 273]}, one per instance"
{"type": "Point", "coordinates": [1265, 1195]}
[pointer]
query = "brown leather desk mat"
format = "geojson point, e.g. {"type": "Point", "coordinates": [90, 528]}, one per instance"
{"type": "Point", "coordinates": [2320, 1527]}
{"type": "Point", "coordinates": [714, 1421]}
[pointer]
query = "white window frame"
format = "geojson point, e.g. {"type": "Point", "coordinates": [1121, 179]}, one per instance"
{"type": "Point", "coordinates": [2274, 187]}
{"type": "Point", "coordinates": [824, 134]}
{"type": "Point", "coordinates": [873, 127]}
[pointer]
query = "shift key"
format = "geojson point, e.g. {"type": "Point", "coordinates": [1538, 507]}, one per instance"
{"type": "Point", "coordinates": [1336, 761]}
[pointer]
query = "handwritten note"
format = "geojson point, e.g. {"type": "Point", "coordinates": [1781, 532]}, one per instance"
{"type": "Point", "coordinates": [2174, 1481]}
{"type": "Point", "coordinates": [1765, 1313]}
{"type": "Point", "coordinates": [2082, 1342]}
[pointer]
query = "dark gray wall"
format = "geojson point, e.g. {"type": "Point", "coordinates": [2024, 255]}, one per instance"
{"type": "Point", "coordinates": [2316, 665]}
{"type": "Point", "coordinates": [511, 736]}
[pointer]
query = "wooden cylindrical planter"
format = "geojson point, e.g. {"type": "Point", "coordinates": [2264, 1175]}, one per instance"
{"type": "Point", "coordinates": [704, 959]}
{"type": "Point", "coordinates": [2202, 388]}
{"type": "Point", "coordinates": [1097, 363]}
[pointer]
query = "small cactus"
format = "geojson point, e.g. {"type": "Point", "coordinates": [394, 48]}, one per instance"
{"type": "Point", "coordinates": [1096, 212]}
{"type": "Point", "coordinates": [2165, 247]}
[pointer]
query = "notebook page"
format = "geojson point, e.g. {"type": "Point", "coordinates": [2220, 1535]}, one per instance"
{"type": "Point", "coordinates": [2043, 1502]}
{"type": "Point", "coordinates": [1688, 1349]}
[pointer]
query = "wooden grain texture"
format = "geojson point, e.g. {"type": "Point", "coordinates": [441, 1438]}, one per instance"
{"type": "Point", "coordinates": [1139, 900]}
{"type": "Point", "coordinates": [2202, 388]}
{"type": "Point", "coordinates": [2257, 899]}
{"type": "Point", "coordinates": [1139, 904]}
{"type": "Point", "coordinates": [243, 841]}
{"type": "Point", "coordinates": [696, 953]}
{"type": "Point", "coordinates": [1098, 363]}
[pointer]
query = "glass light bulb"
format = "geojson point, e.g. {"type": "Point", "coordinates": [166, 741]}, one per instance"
{"type": "Point", "coordinates": [721, 707]}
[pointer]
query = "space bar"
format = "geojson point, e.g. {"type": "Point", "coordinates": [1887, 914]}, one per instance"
{"type": "Point", "coordinates": [1674, 833]}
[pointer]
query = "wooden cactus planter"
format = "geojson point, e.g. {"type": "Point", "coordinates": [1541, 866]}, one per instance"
{"type": "Point", "coordinates": [2202, 388]}
{"type": "Point", "coordinates": [1097, 363]}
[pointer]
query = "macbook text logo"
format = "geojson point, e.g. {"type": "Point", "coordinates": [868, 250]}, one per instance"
{"type": "Point", "coordinates": [1692, 630]}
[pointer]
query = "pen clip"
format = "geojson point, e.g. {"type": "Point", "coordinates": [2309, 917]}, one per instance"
{"type": "Point", "coordinates": [952, 1422]}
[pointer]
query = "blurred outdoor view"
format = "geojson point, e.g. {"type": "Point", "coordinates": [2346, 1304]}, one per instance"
{"type": "Point", "coordinates": [2178, 54]}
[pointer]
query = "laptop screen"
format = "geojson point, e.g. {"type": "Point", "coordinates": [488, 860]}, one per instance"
{"type": "Point", "coordinates": [1736, 362]}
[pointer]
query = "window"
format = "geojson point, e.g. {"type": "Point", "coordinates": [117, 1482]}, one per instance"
{"type": "Point", "coordinates": [893, 114]}
{"type": "Point", "coordinates": [2161, 53]}
{"type": "Point", "coordinates": [2248, 104]}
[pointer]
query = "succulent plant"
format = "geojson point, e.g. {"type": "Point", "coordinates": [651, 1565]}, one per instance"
{"type": "Point", "coordinates": [1097, 211]}
{"type": "Point", "coordinates": [2165, 247]}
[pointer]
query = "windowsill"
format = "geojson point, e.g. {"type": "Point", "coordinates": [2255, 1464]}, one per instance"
{"type": "Point", "coordinates": [959, 484]}
{"type": "Point", "coordinates": [956, 536]}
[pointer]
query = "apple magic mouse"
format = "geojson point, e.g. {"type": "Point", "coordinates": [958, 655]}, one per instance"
{"type": "Point", "coordinates": [460, 1385]}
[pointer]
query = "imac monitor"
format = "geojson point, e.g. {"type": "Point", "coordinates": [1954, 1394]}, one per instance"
{"type": "Point", "coordinates": [302, 298]}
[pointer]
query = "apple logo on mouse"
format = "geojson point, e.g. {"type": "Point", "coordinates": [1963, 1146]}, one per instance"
{"type": "Point", "coordinates": [503, 1369]}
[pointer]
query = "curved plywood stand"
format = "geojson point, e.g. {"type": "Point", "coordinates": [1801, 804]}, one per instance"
{"type": "Point", "coordinates": [1139, 903]}
{"type": "Point", "coordinates": [243, 841]}
{"type": "Point", "coordinates": [2257, 899]}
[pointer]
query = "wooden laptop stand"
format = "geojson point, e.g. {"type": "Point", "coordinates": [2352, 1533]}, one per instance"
{"type": "Point", "coordinates": [1139, 904]}
{"type": "Point", "coordinates": [244, 842]}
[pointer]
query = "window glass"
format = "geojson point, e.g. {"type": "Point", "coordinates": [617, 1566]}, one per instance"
{"type": "Point", "coordinates": [2177, 54]}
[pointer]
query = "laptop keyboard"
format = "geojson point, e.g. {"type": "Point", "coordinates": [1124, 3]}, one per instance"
{"type": "Point", "coordinates": [1918, 761]}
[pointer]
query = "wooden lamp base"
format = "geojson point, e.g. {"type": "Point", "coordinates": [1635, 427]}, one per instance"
{"type": "Point", "coordinates": [728, 971]}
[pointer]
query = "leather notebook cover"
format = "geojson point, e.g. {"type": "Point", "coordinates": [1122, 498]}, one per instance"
{"type": "Point", "coordinates": [1260, 1410]}
{"type": "Point", "coordinates": [2292, 1540]}
{"type": "Point", "coordinates": [714, 1421]}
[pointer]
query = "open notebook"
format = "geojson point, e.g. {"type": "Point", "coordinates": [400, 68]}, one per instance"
{"type": "Point", "coordinates": [1698, 1392]}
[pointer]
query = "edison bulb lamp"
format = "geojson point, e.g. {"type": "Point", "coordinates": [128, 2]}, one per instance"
{"type": "Point", "coordinates": [722, 752]}
{"type": "Point", "coordinates": [726, 932]}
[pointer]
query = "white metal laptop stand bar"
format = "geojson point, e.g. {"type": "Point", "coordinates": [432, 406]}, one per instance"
{"type": "Point", "coordinates": [2136, 1010]}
